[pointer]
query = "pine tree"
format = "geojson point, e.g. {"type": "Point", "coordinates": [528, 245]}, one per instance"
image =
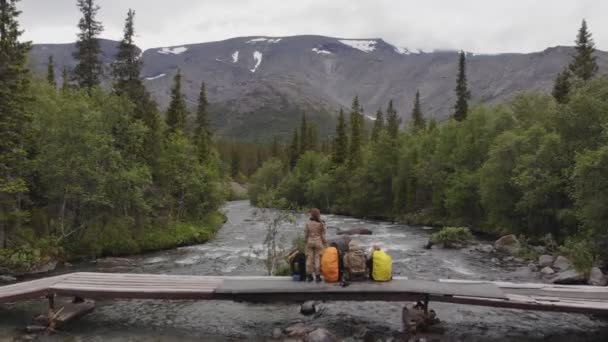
{"type": "Point", "coordinates": [304, 135]}
{"type": "Point", "coordinates": [356, 132]}
{"type": "Point", "coordinates": [177, 111]}
{"type": "Point", "coordinates": [463, 95]}
{"type": "Point", "coordinates": [378, 125]}
{"type": "Point", "coordinates": [235, 162]}
{"type": "Point", "coordinates": [561, 88]}
{"type": "Point", "coordinates": [341, 141]}
{"type": "Point", "coordinates": [313, 137]}
{"type": "Point", "coordinates": [50, 72]}
{"type": "Point", "coordinates": [418, 122]}
{"type": "Point", "coordinates": [392, 121]}
{"type": "Point", "coordinates": [275, 148]}
{"type": "Point", "coordinates": [584, 64]}
{"type": "Point", "coordinates": [294, 149]}
{"type": "Point", "coordinates": [14, 120]}
{"type": "Point", "coordinates": [89, 68]}
{"type": "Point", "coordinates": [202, 132]}
{"type": "Point", "coordinates": [65, 79]}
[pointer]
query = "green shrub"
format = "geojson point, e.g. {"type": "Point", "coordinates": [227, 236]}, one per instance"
{"type": "Point", "coordinates": [451, 237]}
{"type": "Point", "coordinates": [580, 251]}
{"type": "Point", "coordinates": [282, 270]}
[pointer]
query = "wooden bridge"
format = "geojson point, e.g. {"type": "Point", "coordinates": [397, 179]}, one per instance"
{"type": "Point", "coordinates": [543, 297]}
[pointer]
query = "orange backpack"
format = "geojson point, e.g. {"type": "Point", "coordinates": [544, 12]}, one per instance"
{"type": "Point", "coordinates": [329, 265]}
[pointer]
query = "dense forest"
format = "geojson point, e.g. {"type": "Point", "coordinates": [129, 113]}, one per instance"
{"type": "Point", "coordinates": [90, 169]}
{"type": "Point", "coordinates": [536, 166]}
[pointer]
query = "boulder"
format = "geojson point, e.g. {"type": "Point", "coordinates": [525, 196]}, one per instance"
{"type": "Point", "coordinates": [562, 263]}
{"type": "Point", "coordinates": [308, 308]}
{"type": "Point", "coordinates": [539, 249]}
{"type": "Point", "coordinates": [320, 335]}
{"type": "Point", "coordinates": [570, 277]}
{"type": "Point", "coordinates": [508, 259]}
{"type": "Point", "coordinates": [547, 270]}
{"type": "Point", "coordinates": [545, 260]}
{"type": "Point", "coordinates": [519, 260]}
{"type": "Point", "coordinates": [7, 279]}
{"type": "Point", "coordinates": [532, 266]}
{"type": "Point", "coordinates": [508, 244]}
{"type": "Point", "coordinates": [597, 278]}
{"type": "Point", "coordinates": [486, 248]}
{"type": "Point", "coordinates": [354, 231]}
{"type": "Point", "coordinates": [277, 333]}
{"type": "Point", "coordinates": [44, 268]}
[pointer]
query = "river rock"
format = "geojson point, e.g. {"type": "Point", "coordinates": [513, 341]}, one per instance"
{"type": "Point", "coordinates": [532, 266]}
{"type": "Point", "coordinates": [486, 248]}
{"type": "Point", "coordinates": [570, 277]}
{"type": "Point", "coordinates": [277, 333]}
{"type": "Point", "coordinates": [562, 263]}
{"type": "Point", "coordinates": [539, 249]}
{"type": "Point", "coordinates": [508, 244]}
{"type": "Point", "coordinates": [354, 231]}
{"type": "Point", "coordinates": [508, 259]}
{"type": "Point", "coordinates": [298, 330]}
{"type": "Point", "coordinates": [308, 308]}
{"type": "Point", "coordinates": [320, 335]}
{"type": "Point", "coordinates": [7, 279]}
{"type": "Point", "coordinates": [44, 268]}
{"type": "Point", "coordinates": [597, 278]}
{"type": "Point", "coordinates": [545, 260]}
{"type": "Point", "coordinates": [547, 270]}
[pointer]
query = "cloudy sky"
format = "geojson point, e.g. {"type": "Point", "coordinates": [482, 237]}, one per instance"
{"type": "Point", "coordinates": [473, 25]}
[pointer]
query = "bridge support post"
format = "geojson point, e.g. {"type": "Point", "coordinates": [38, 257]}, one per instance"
{"type": "Point", "coordinates": [51, 313]}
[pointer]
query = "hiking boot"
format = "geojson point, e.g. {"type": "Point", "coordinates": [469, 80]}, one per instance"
{"type": "Point", "coordinates": [309, 278]}
{"type": "Point", "coordinates": [318, 279]}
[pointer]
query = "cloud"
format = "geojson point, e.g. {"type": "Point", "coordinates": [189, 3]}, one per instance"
{"type": "Point", "coordinates": [472, 25]}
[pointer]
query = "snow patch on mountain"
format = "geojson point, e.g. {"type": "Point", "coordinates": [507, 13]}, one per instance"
{"type": "Point", "coordinates": [267, 40]}
{"type": "Point", "coordinates": [321, 51]}
{"type": "Point", "coordinates": [402, 50]}
{"type": "Point", "coordinates": [173, 51]}
{"type": "Point", "coordinates": [235, 57]}
{"type": "Point", "coordinates": [155, 77]}
{"type": "Point", "coordinates": [363, 45]}
{"type": "Point", "coordinates": [257, 56]}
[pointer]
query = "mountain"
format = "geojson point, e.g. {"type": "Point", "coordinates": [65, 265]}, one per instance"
{"type": "Point", "coordinates": [259, 86]}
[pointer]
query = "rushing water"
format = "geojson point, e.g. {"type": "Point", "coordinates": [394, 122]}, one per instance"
{"type": "Point", "coordinates": [235, 251]}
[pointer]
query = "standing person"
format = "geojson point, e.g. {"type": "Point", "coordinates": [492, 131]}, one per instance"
{"type": "Point", "coordinates": [315, 244]}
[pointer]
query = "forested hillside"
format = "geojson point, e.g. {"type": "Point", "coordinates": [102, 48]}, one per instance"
{"type": "Point", "coordinates": [536, 166]}
{"type": "Point", "coordinates": [86, 172]}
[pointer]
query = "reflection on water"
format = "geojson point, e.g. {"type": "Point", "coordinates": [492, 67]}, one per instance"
{"type": "Point", "coordinates": [233, 252]}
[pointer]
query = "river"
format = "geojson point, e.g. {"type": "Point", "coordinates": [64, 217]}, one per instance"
{"type": "Point", "coordinates": [235, 251]}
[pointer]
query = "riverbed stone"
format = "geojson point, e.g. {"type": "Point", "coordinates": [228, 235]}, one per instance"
{"type": "Point", "coordinates": [508, 259]}
{"type": "Point", "coordinates": [532, 266]}
{"type": "Point", "coordinates": [545, 260]}
{"type": "Point", "coordinates": [298, 330]}
{"type": "Point", "coordinates": [277, 333]}
{"type": "Point", "coordinates": [308, 308]}
{"type": "Point", "coordinates": [597, 277]}
{"type": "Point", "coordinates": [7, 279]}
{"type": "Point", "coordinates": [547, 270]}
{"type": "Point", "coordinates": [44, 268]}
{"type": "Point", "coordinates": [508, 244]}
{"type": "Point", "coordinates": [486, 248]}
{"type": "Point", "coordinates": [539, 249]}
{"type": "Point", "coordinates": [320, 335]}
{"type": "Point", "coordinates": [570, 277]}
{"type": "Point", "coordinates": [562, 263]}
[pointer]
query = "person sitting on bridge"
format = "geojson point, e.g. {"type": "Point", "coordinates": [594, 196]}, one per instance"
{"type": "Point", "coordinates": [331, 264]}
{"type": "Point", "coordinates": [315, 243]}
{"type": "Point", "coordinates": [355, 263]}
{"type": "Point", "coordinates": [297, 265]}
{"type": "Point", "coordinates": [380, 265]}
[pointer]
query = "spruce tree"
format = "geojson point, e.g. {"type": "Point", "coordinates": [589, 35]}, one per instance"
{"type": "Point", "coordinates": [584, 64]}
{"type": "Point", "coordinates": [126, 68]}
{"type": "Point", "coordinates": [561, 88]}
{"type": "Point", "coordinates": [294, 149]}
{"type": "Point", "coordinates": [177, 111]}
{"type": "Point", "coordinates": [202, 132]}
{"type": "Point", "coordinates": [50, 72]}
{"type": "Point", "coordinates": [65, 79]}
{"type": "Point", "coordinates": [392, 121]}
{"type": "Point", "coordinates": [313, 137]}
{"type": "Point", "coordinates": [275, 148]}
{"type": "Point", "coordinates": [463, 95]}
{"type": "Point", "coordinates": [304, 135]}
{"type": "Point", "coordinates": [418, 122]}
{"type": "Point", "coordinates": [356, 132]}
{"type": "Point", "coordinates": [341, 141]}
{"type": "Point", "coordinates": [14, 120]}
{"type": "Point", "coordinates": [89, 67]}
{"type": "Point", "coordinates": [378, 125]}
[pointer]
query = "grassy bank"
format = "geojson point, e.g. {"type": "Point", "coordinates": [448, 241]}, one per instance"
{"type": "Point", "coordinates": [111, 240]}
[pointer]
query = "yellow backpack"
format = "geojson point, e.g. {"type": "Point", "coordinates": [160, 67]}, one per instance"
{"type": "Point", "coordinates": [382, 266]}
